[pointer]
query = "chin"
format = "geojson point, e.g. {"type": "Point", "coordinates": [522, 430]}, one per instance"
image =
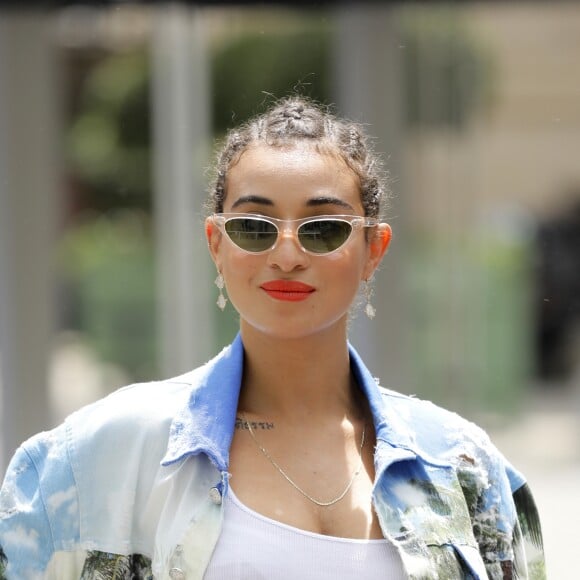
{"type": "Point", "coordinates": [294, 329]}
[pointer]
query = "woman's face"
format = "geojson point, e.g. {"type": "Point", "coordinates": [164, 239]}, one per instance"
{"type": "Point", "coordinates": [293, 183]}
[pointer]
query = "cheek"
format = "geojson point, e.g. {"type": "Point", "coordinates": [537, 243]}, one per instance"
{"type": "Point", "coordinates": [238, 269]}
{"type": "Point", "coordinates": [341, 276]}
{"type": "Point", "coordinates": [348, 264]}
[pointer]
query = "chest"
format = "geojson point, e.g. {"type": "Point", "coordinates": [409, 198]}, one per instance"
{"type": "Point", "coordinates": [252, 546]}
{"type": "Point", "coordinates": [289, 482]}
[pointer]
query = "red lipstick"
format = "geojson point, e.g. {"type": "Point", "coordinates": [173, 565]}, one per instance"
{"type": "Point", "coordinates": [288, 290]}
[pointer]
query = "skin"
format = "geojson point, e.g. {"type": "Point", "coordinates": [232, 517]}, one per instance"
{"type": "Point", "coordinates": [297, 376]}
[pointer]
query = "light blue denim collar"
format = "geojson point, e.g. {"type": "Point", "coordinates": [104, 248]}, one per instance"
{"type": "Point", "coordinates": [206, 424]}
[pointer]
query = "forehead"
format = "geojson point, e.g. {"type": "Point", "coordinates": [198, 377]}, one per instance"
{"type": "Point", "coordinates": [291, 174]}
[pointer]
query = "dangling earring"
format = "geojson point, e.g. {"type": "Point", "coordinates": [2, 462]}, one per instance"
{"type": "Point", "coordinates": [370, 310]}
{"type": "Point", "coordinates": [222, 300]}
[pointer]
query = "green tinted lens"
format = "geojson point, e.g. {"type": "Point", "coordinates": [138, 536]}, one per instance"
{"type": "Point", "coordinates": [324, 236]}
{"type": "Point", "coordinates": [251, 234]}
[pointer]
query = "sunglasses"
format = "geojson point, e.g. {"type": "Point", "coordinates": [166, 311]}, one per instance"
{"type": "Point", "coordinates": [320, 235]}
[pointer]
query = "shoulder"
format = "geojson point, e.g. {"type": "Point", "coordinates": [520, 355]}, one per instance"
{"type": "Point", "coordinates": [141, 406]}
{"type": "Point", "coordinates": [423, 413]}
{"type": "Point", "coordinates": [115, 443]}
{"type": "Point", "coordinates": [439, 432]}
{"type": "Point", "coordinates": [128, 422]}
{"type": "Point", "coordinates": [87, 482]}
{"type": "Point", "coordinates": [428, 430]}
{"type": "Point", "coordinates": [131, 422]}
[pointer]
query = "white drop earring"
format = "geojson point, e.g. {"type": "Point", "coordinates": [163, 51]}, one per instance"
{"type": "Point", "coordinates": [370, 310]}
{"type": "Point", "coordinates": [220, 283]}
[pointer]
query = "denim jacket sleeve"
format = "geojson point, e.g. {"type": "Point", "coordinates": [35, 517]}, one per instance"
{"type": "Point", "coordinates": [505, 519]}
{"type": "Point", "coordinates": [38, 487]}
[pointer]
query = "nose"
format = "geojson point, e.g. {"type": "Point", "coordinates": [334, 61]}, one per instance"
{"type": "Point", "coordinates": [288, 254]}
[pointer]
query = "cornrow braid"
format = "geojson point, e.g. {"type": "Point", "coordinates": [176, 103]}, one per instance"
{"type": "Point", "coordinates": [295, 120]}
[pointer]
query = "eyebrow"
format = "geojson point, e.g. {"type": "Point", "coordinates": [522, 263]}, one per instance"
{"type": "Point", "coordinates": [313, 202]}
{"type": "Point", "coordinates": [328, 200]}
{"type": "Point", "coordinates": [252, 199]}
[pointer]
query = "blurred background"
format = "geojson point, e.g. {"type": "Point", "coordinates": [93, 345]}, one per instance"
{"type": "Point", "coordinates": [109, 117]}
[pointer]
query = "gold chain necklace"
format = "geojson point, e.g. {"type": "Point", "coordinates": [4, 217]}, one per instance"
{"type": "Point", "coordinates": [293, 483]}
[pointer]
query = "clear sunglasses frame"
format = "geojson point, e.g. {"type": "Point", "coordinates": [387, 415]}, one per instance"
{"type": "Point", "coordinates": [292, 226]}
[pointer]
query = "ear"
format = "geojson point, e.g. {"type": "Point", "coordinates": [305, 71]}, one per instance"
{"type": "Point", "coordinates": [378, 245]}
{"type": "Point", "coordinates": [213, 237]}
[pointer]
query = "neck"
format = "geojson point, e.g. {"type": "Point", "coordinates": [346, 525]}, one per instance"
{"type": "Point", "coordinates": [297, 379]}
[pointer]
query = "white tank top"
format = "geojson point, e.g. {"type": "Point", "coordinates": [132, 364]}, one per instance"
{"type": "Point", "coordinates": [254, 547]}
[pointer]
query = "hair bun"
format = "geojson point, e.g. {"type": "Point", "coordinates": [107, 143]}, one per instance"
{"type": "Point", "coordinates": [294, 111]}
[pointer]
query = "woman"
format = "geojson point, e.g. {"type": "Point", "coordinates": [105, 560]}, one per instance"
{"type": "Point", "coordinates": [281, 457]}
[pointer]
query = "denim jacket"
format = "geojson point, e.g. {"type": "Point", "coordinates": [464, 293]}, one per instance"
{"type": "Point", "coordinates": [131, 487]}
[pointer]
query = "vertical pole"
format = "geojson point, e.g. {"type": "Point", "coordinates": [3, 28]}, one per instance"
{"type": "Point", "coordinates": [181, 127]}
{"type": "Point", "coordinates": [29, 209]}
{"type": "Point", "coordinates": [368, 83]}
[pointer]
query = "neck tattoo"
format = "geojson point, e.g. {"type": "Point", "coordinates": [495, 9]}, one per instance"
{"type": "Point", "coordinates": [293, 483]}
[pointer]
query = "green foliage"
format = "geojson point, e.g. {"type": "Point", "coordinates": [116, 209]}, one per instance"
{"type": "Point", "coordinates": [470, 323]}
{"type": "Point", "coordinates": [109, 142]}
{"type": "Point", "coordinates": [109, 261]}
{"type": "Point", "coordinates": [447, 74]}
{"type": "Point", "coordinates": [255, 65]}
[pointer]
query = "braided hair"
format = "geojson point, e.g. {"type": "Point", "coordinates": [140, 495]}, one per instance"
{"type": "Point", "coordinates": [297, 120]}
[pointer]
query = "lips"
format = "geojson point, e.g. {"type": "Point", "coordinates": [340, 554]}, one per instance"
{"type": "Point", "coordinates": [289, 290]}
